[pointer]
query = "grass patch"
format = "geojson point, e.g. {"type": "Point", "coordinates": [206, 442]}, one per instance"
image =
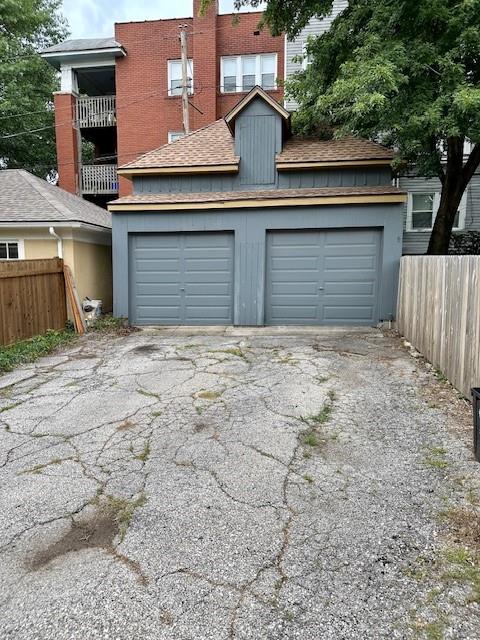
{"type": "Point", "coordinates": [208, 395]}
{"type": "Point", "coordinates": [144, 453]}
{"type": "Point", "coordinates": [310, 439]}
{"type": "Point", "coordinates": [436, 458]}
{"type": "Point", "coordinates": [308, 478]}
{"type": "Point", "coordinates": [121, 509]}
{"type": "Point", "coordinates": [30, 350]}
{"type": "Point", "coordinates": [441, 377]}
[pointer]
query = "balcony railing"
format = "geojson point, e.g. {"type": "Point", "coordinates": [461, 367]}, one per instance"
{"type": "Point", "coordinates": [96, 111]}
{"type": "Point", "coordinates": [99, 179]}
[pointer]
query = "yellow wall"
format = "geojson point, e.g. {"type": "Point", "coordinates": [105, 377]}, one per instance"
{"type": "Point", "coordinates": [35, 249]}
{"type": "Point", "coordinates": [92, 270]}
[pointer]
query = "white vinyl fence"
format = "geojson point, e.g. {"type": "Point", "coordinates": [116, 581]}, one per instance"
{"type": "Point", "coordinates": [439, 314]}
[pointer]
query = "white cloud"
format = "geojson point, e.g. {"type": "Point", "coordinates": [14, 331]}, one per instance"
{"type": "Point", "coordinates": [96, 18]}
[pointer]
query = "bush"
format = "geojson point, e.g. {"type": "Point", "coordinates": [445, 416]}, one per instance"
{"type": "Point", "coordinates": [466, 243]}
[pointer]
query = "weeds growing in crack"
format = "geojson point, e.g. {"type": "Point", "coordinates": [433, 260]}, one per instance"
{"type": "Point", "coordinates": [148, 394]}
{"type": "Point", "coordinates": [208, 395]}
{"type": "Point", "coordinates": [144, 453]}
{"type": "Point", "coordinates": [312, 437]}
{"type": "Point", "coordinates": [435, 458]}
{"type": "Point", "coordinates": [232, 351]}
{"type": "Point", "coordinates": [39, 468]}
{"type": "Point", "coordinates": [10, 406]}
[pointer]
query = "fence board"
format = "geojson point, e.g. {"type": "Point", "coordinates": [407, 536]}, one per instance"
{"type": "Point", "coordinates": [439, 313]}
{"type": "Point", "coordinates": [32, 298]}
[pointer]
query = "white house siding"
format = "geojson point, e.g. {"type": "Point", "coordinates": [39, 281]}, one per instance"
{"type": "Point", "coordinates": [416, 242]}
{"type": "Point", "coordinates": [294, 48]}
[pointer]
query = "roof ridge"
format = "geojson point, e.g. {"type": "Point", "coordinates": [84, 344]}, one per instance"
{"type": "Point", "coordinates": [171, 144]}
{"type": "Point", "coordinates": [36, 183]}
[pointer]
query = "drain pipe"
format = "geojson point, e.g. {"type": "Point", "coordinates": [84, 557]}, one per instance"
{"type": "Point", "coordinates": [59, 241]}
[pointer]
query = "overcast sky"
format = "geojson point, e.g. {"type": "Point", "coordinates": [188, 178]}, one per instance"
{"type": "Point", "coordinates": [95, 18]}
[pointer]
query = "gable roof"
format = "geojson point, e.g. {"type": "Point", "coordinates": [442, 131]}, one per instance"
{"type": "Point", "coordinates": [320, 152]}
{"type": "Point", "coordinates": [211, 146]}
{"type": "Point", "coordinates": [26, 198]}
{"type": "Point", "coordinates": [256, 92]}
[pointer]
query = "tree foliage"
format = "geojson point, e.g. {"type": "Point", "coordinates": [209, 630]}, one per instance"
{"type": "Point", "coordinates": [405, 72]}
{"type": "Point", "coordinates": [27, 83]}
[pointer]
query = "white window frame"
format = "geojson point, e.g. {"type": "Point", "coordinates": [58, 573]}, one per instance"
{"type": "Point", "coordinates": [239, 74]}
{"type": "Point", "coordinates": [170, 76]}
{"type": "Point", "coordinates": [20, 244]}
{"type": "Point", "coordinates": [173, 136]}
{"type": "Point", "coordinates": [306, 59]}
{"type": "Point", "coordinates": [462, 209]}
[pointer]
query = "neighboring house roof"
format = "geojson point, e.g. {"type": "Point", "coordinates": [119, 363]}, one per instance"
{"type": "Point", "coordinates": [230, 199]}
{"type": "Point", "coordinates": [314, 150]}
{"type": "Point", "coordinates": [83, 44]}
{"type": "Point", "coordinates": [210, 146]}
{"type": "Point", "coordinates": [26, 198]}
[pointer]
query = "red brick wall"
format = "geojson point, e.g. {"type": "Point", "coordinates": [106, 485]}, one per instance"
{"type": "Point", "coordinates": [67, 142]}
{"type": "Point", "coordinates": [145, 112]}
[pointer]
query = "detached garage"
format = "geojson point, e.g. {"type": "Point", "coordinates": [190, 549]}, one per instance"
{"type": "Point", "coordinates": [221, 229]}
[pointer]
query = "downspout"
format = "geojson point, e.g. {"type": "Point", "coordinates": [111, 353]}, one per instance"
{"type": "Point", "coordinates": [59, 241]}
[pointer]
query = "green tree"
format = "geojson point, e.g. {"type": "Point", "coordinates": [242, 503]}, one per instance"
{"type": "Point", "coordinates": [404, 72]}
{"type": "Point", "coordinates": [27, 83]}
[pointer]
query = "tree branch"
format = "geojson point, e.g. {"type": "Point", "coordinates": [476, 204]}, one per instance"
{"type": "Point", "coordinates": [471, 165]}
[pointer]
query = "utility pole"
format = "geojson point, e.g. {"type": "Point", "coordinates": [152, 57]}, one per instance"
{"type": "Point", "coordinates": [184, 55]}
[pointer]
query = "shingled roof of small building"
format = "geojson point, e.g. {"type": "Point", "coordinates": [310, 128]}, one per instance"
{"type": "Point", "coordinates": [214, 145]}
{"type": "Point", "coordinates": [344, 149]}
{"type": "Point", "coordinates": [26, 198]}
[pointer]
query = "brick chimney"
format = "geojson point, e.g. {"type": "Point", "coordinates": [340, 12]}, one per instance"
{"type": "Point", "coordinates": [206, 75]}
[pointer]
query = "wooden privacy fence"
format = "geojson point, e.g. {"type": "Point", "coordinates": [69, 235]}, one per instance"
{"type": "Point", "coordinates": [32, 298]}
{"type": "Point", "coordinates": [439, 313]}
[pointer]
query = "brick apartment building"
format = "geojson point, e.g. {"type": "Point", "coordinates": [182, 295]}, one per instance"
{"type": "Point", "coordinates": [122, 94]}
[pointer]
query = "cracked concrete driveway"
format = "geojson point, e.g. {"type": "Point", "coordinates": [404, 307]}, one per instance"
{"type": "Point", "coordinates": [236, 484]}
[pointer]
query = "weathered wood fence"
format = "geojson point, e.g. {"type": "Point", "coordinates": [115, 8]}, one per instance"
{"type": "Point", "coordinates": [439, 314]}
{"type": "Point", "coordinates": [32, 298]}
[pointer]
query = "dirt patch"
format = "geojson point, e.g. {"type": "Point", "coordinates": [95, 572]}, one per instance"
{"type": "Point", "coordinates": [466, 526]}
{"type": "Point", "coordinates": [145, 349]}
{"type": "Point", "coordinates": [96, 531]}
{"type": "Point", "coordinates": [126, 425]}
{"type": "Point", "coordinates": [103, 528]}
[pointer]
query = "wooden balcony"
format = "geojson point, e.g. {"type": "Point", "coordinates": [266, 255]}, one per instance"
{"type": "Point", "coordinates": [96, 111]}
{"type": "Point", "coordinates": [99, 179]}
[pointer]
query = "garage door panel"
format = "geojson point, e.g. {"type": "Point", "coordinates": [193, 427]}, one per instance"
{"type": "Point", "coordinates": [351, 288]}
{"type": "Point", "coordinates": [340, 285]}
{"type": "Point", "coordinates": [351, 314]}
{"type": "Point", "coordinates": [181, 278]}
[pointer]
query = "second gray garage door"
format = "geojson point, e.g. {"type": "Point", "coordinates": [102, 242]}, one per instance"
{"type": "Point", "coordinates": [322, 277]}
{"type": "Point", "coordinates": [181, 278]}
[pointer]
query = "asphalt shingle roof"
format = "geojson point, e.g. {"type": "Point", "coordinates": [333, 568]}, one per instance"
{"type": "Point", "coordinates": [211, 145]}
{"type": "Point", "coordinates": [215, 145]}
{"type": "Point", "coordinates": [26, 198]}
{"type": "Point", "coordinates": [344, 149]}
{"type": "Point", "coordinates": [267, 194]}
{"type": "Point", "coordinates": [83, 44]}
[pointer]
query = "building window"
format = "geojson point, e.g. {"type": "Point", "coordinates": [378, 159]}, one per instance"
{"type": "Point", "coordinates": [9, 250]}
{"type": "Point", "coordinates": [422, 209]}
{"type": "Point", "coordinates": [175, 77]}
{"type": "Point", "coordinates": [242, 73]}
{"type": "Point", "coordinates": [175, 135]}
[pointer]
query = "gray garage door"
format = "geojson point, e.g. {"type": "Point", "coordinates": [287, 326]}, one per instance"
{"type": "Point", "coordinates": [181, 278]}
{"type": "Point", "coordinates": [322, 277]}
